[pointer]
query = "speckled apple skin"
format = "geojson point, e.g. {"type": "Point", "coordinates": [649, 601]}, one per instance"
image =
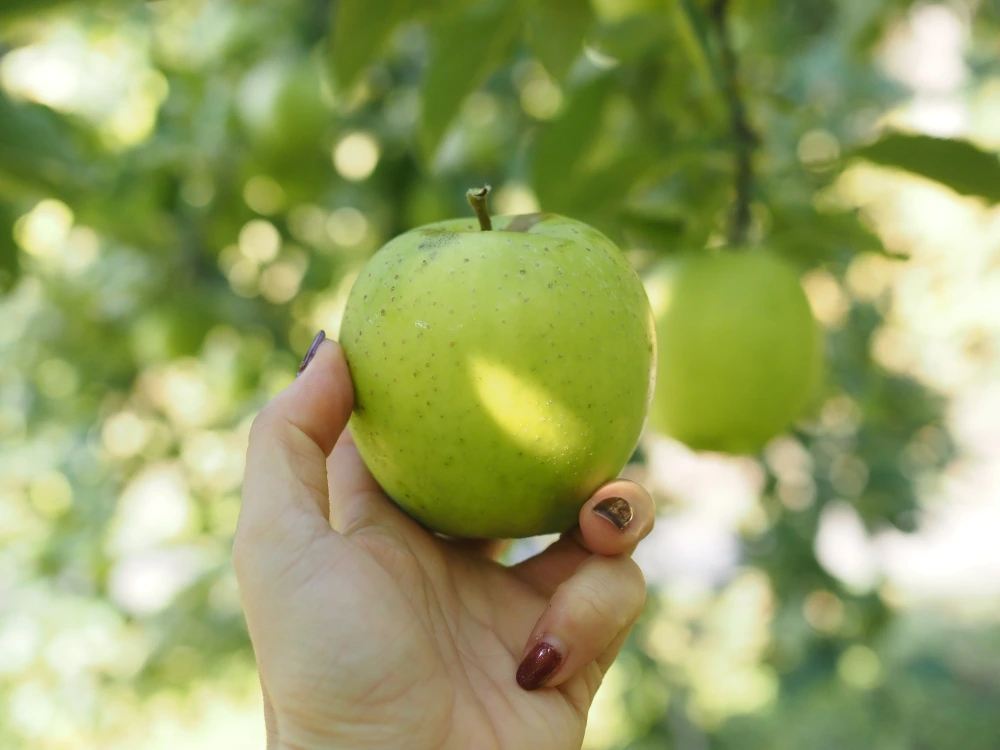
{"type": "Point", "coordinates": [501, 376]}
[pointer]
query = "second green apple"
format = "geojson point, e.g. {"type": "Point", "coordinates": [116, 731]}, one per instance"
{"type": "Point", "coordinates": [739, 351]}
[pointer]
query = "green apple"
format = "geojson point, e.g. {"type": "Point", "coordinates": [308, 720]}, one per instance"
{"type": "Point", "coordinates": [281, 105]}
{"type": "Point", "coordinates": [738, 349]}
{"type": "Point", "coordinates": [501, 375]}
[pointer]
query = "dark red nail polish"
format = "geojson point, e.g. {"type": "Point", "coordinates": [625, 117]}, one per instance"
{"type": "Point", "coordinates": [312, 352]}
{"type": "Point", "coordinates": [615, 509]}
{"type": "Point", "coordinates": [538, 666]}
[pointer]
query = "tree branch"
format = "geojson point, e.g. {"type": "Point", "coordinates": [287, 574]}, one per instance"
{"type": "Point", "coordinates": [744, 136]}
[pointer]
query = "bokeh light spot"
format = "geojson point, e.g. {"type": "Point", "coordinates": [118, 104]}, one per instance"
{"type": "Point", "coordinates": [264, 195]}
{"type": "Point", "coordinates": [818, 149]}
{"type": "Point", "coordinates": [124, 434]}
{"type": "Point", "coordinates": [42, 230]}
{"type": "Point", "coordinates": [259, 240]}
{"type": "Point", "coordinates": [56, 378]}
{"type": "Point", "coordinates": [51, 494]}
{"type": "Point", "coordinates": [280, 282]}
{"type": "Point", "coordinates": [356, 155]}
{"type": "Point", "coordinates": [860, 667]}
{"type": "Point", "coordinates": [824, 611]}
{"type": "Point", "coordinates": [541, 97]}
{"type": "Point", "coordinates": [347, 226]}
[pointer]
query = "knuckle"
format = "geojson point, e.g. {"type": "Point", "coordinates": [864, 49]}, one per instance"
{"type": "Point", "coordinates": [271, 430]}
{"type": "Point", "coordinates": [263, 424]}
{"type": "Point", "coordinates": [614, 598]}
{"type": "Point", "coordinates": [631, 574]}
{"type": "Point", "coordinates": [633, 583]}
{"type": "Point", "coordinates": [590, 604]}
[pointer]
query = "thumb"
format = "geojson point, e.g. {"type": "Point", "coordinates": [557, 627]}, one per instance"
{"type": "Point", "coordinates": [286, 504]}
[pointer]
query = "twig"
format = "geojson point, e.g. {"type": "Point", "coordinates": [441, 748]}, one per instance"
{"type": "Point", "coordinates": [744, 136]}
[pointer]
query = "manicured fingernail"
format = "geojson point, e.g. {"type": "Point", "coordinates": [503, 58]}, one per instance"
{"type": "Point", "coordinates": [615, 509]}
{"type": "Point", "coordinates": [538, 666]}
{"type": "Point", "coordinates": [312, 352]}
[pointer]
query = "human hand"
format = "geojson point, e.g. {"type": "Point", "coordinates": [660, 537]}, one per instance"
{"type": "Point", "coordinates": [371, 632]}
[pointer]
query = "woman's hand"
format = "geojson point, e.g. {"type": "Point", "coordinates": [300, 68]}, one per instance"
{"type": "Point", "coordinates": [371, 632]}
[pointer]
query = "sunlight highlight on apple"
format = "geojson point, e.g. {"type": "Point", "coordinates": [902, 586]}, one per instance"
{"type": "Point", "coordinates": [532, 417]}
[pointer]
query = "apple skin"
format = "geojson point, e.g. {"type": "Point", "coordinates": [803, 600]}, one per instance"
{"type": "Point", "coordinates": [739, 350]}
{"type": "Point", "coordinates": [500, 376]}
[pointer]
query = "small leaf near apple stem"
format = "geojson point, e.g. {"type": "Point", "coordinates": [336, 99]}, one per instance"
{"type": "Point", "coordinates": [477, 199]}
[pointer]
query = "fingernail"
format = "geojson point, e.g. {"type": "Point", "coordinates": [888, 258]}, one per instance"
{"type": "Point", "coordinates": [538, 666]}
{"type": "Point", "coordinates": [615, 509]}
{"type": "Point", "coordinates": [312, 352]}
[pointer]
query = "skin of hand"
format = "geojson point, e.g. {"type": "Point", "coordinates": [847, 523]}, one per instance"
{"type": "Point", "coordinates": [371, 632]}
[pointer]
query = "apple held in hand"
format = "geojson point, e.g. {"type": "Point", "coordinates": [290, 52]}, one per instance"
{"type": "Point", "coordinates": [501, 374]}
{"type": "Point", "coordinates": [738, 349]}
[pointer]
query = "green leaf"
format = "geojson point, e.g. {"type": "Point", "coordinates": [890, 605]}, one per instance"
{"type": "Point", "coordinates": [660, 233]}
{"type": "Point", "coordinates": [691, 28]}
{"type": "Point", "coordinates": [359, 31]}
{"type": "Point", "coordinates": [810, 237]}
{"type": "Point", "coordinates": [961, 166]}
{"type": "Point", "coordinates": [557, 29]}
{"type": "Point", "coordinates": [14, 8]}
{"type": "Point", "coordinates": [9, 266]}
{"type": "Point", "coordinates": [17, 10]}
{"type": "Point", "coordinates": [606, 186]}
{"type": "Point", "coordinates": [465, 49]}
{"type": "Point", "coordinates": [38, 150]}
{"type": "Point", "coordinates": [563, 144]}
{"type": "Point", "coordinates": [633, 38]}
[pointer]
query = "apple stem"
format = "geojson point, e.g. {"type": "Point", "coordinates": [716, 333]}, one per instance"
{"type": "Point", "coordinates": [477, 199]}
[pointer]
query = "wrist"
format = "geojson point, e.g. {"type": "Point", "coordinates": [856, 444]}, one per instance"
{"type": "Point", "coordinates": [352, 740]}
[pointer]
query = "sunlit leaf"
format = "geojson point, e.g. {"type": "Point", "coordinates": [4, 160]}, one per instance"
{"type": "Point", "coordinates": [809, 236]}
{"type": "Point", "coordinates": [563, 144]}
{"type": "Point", "coordinates": [556, 31]}
{"type": "Point", "coordinates": [358, 33]}
{"type": "Point", "coordinates": [632, 38]}
{"type": "Point", "coordinates": [691, 27]}
{"type": "Point", "coordinates": [465, 48]}
{"type": "Point", "coordinates": [608, 185]}
{"type": "Point", "coordinates": [38, 149]}
{"type": "Point", "coordinates": [960, 165]}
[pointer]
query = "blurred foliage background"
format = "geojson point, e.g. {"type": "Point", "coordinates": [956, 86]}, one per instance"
{"type": "Point", "coordinates": [188, 187]}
